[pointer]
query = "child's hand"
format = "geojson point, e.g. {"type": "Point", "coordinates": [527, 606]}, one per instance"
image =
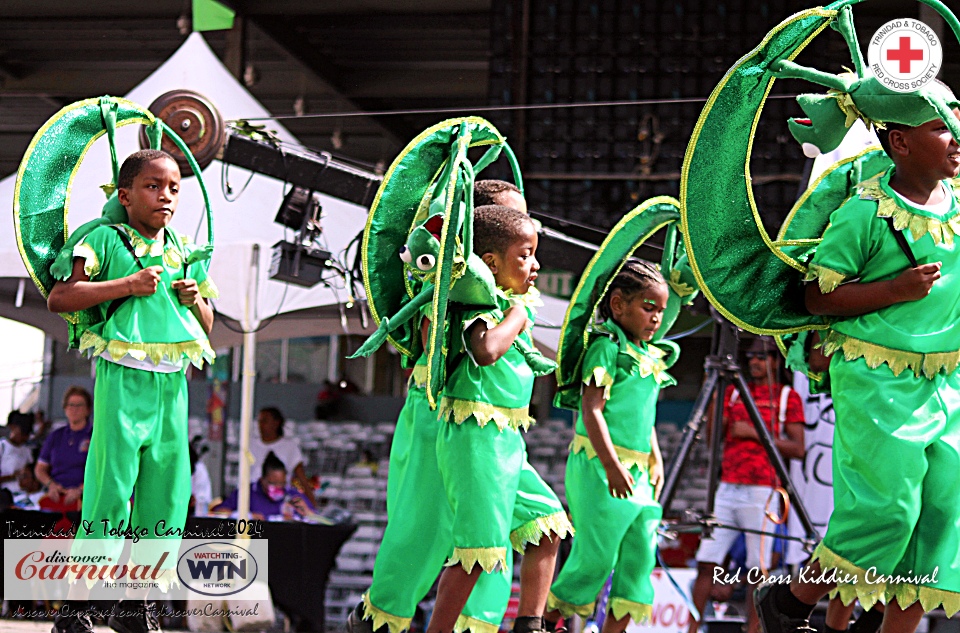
{"type": "Point", "coordinates": [915, 283]}
{"type": "Point", "coordinates": [656, 475]}
{"type": "Point", "coordinates": [619, 481]}
{"type": "Point", "coordinates": [187, 290]}
{"type": "Point", "coordinates": [144, 283]}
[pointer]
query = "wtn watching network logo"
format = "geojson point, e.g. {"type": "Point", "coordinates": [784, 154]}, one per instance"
{"type": "Point", "coordinates": [217, 569]}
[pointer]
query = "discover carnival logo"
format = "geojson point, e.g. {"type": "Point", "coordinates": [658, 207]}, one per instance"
{"type": "Point", "coordinates": [905, 54]}
{"type": "Point", "coordinates": [217, 569]}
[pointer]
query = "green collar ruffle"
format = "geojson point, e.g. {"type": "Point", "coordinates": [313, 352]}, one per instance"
{"type": "Point", "coordinates": [647, 359]}
{"type": "Point", "coordinates": [531, 299]}
{"type": "Point", "coordinates": [942, 228]}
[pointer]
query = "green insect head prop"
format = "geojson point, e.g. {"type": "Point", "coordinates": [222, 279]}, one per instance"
{"type": "Point", "coordinates": [861, 95]}
{"type": "Point", "coordinates": [752, 278]}
{"type": "Point", "coordinates": [581, 326]}
{"type": "Point", "coordinates": [45, 179]}
{"type": "Point", "coordinates": [417, 247]}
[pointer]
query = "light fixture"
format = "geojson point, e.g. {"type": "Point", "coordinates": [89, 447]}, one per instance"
{"type": "Point", "coordinates": [300, 262]}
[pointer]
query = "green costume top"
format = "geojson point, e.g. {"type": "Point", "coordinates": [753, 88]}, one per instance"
{"type": "Point", "coordinates": [631, 377]}
{"type": "Point", "coordinates": [158, 326]}
{"type": "Point", "coordinates": [500, 392]}
{"type": "Point", "coordinates": [923, 335]}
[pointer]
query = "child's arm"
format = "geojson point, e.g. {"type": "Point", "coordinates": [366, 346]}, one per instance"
{"type": "Point", "coordinates": [189, 293]}
{"type": "Point", "coordinates": [619, 480]}
{"type": "Point", "coordinates": [490, 344]}
{"type": "Point", "coordinates": [79, 293]}
{"type": "Point", "coordinates": [854, 299]}
{"type": "Point", "coordinates": [656, 464]}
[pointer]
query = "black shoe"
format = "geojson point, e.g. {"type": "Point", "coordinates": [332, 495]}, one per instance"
{"type": "Point", "coordinates": [73, 623]}
{"type": "Point", "coordinates": [134, 617]}
{"type": "Point", "coordinates": [356, 623]}
{"type": "Point", "coordinates": [771, 620]}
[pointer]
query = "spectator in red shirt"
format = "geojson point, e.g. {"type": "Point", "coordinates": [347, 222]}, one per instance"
{"type": "Point", "coordinates": [748, 479]}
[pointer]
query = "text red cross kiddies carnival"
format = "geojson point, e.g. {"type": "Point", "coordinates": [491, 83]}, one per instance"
{"type": "Point", "coordinates": [905, 55]}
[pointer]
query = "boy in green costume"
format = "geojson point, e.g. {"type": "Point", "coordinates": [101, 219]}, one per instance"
{"type": "Point", "coordinates": [156, 319]}
{"type": "Point", "coordinates": [416, 541]}
{"type": "Point", "coordinates": [497, 499]}
{"type": "Point", "coordinates": [615, 470]}
{"type": "Point", "coordinates": [893, 535]}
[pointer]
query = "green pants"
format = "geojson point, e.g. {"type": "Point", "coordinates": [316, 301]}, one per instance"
{"type": "Point", "coordinates": [139, 448]}
{"type": "Point", "coordinates": [896, 485]}
{"type": "Point", "coordinates": [418, 538]}
{"type": "Point", "coordinates": [618, 535]}
{"type": "Point", "coordinates": [498, 499]}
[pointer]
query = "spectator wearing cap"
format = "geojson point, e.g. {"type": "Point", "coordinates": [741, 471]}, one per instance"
{"type": "Point", "coordinates": [748, 479]}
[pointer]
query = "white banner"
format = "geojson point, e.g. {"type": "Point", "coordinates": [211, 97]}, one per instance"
{"type": "Point", "coordinates": [670, 612]}
{"type": "Point", "coordinates": [109, 569]}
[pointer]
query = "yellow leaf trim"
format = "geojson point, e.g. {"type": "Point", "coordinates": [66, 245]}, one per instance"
{"type": "Point", "coordinates": [850, 109]}
{"type": "Point", "coordinates": [91, 265]}
{"type": "Point", "coordinates": [568, 609]}
{"type": "Point", "coordinates": [140, 245]}
{"type": "Point", "coordinates": [827, 279]}
{"type": "Point", "coordinates": [394, 623]}
{"type": "Point", "coordinates": [195, 351]}
{"type": "Point", "coordinates": [639, 612]}
{"type": "Point", "coordinates": [600, 377]}
{"type": "Point", "coordinates": [897, 360]}
{"type": "Point", "coordinates": [172, 258]}
{"type": "Point", "coordinates": [466, 623]}
{"type": "Point", "coordinates": [533, 531]}
{"type": "Point", "coordinates": [681, 289]}
{"type": "Point", "coordinates": [418, 377]}
{"type": "Point", "coordinates": [649, 364]}
{"type": "Point", "coordinates": [485, 413]}
{"type": "Point", "coordinates": [491, 559]}
{"type": "Point", "coordinates": [208, 289]}
{"type": "Point", "coordinates": [941, 230]}
{"type": "Point", "coordinates": [870, 587]}
{"type": "Point", "coordinates": [530, 299]}
{"type": "Point", "coordinates": [629, 458]}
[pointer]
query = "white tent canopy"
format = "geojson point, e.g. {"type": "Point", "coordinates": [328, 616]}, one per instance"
{"type": "Point", "coordinates": [238, 225]}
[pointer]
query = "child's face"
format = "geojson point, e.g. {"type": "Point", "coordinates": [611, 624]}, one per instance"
{"type": "Point", "coordinates": [152, 199]}
{"type": "Point", "coordinates": [933, 150]}
{"type": "Point", "coordinates": [516, 268]}
{"type": "Point", "coordinates": [640, 313]}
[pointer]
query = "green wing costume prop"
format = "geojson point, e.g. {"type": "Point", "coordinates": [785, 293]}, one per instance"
{"type": "Point", "coordinates": [627, 236]}
{"type": "Point", "coordinates": [417, 251]}
{"type": "Point", "coordinates": [752, 280]}
{"type": "Point", "coordinates": [41, 197]}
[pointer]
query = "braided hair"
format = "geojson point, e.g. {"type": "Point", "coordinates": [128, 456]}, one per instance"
{"type": "Point", "coordinates": [637, 275]}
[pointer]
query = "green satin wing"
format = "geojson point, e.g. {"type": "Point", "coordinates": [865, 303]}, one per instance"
{"type": "Point", "coordinates": [627, 236]}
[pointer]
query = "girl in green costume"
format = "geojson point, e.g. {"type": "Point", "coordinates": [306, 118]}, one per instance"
{"type": "Point", "coordinates": [887, 272]}
{"type": "Point", "coordinates": [498, 501]}
{"type": "Point", "coordinates": [615, 470]}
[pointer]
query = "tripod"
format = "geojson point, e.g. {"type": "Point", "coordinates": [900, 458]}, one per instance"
{"type": "Point", "coordinates": [721, 369]}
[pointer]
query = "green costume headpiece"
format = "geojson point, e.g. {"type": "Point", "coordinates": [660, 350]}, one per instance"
{"type": "Point", "coordinates": [756, 282]}
{"type": "Point", "coordinates": [42, 192]}
{"type": "Point", "coordinates": [417, 250]}
{"type": "Point", "coordinates": [579, 324]}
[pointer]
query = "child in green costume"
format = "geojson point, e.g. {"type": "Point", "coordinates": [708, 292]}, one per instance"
{"type": "Point", "coordinates": [416, 541]}
{"type": "Point", "coordinates": [615, 470]}
{"type": "Point", "coordinates": [156, 320]}
{"type": "Point", "coordinates": [497, 499]}
{"type": "Point", "coordinates": [887, 270]}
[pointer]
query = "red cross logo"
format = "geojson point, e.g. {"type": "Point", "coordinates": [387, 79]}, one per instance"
{"type": "Point", "coordinates": [905, 55]}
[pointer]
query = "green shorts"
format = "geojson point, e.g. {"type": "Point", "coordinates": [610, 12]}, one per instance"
{"type": "Point", "coordinates": [895, 527]}
{"type": "Point", "coordinates": [498, 500]}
